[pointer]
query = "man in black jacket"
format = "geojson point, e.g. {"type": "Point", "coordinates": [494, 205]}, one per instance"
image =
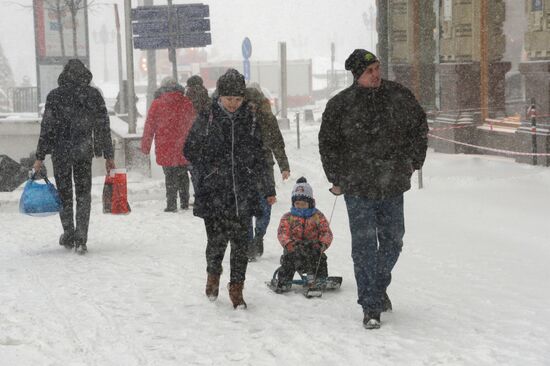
{"type": "Point", "coordinates": [373, 136]}
{"type": "Point", "coordinates": [74, 128]}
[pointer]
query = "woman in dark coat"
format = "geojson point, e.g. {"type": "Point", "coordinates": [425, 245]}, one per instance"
{"type": "Point", "coordinates": [226, 150]}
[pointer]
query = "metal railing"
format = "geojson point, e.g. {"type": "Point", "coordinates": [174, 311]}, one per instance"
{"type": "Point", "coordinates": [23, 99]}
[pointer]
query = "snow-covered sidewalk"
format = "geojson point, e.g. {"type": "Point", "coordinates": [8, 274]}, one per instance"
{"type": "Point", "coordinates": [471, 286]}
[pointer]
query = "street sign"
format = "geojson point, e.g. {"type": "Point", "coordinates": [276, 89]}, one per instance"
{"type": "Point", "coordinates": [143, 29]}
{"type": "Point", "coordinates": [192, 11]}
{"type": "Point", "coordinates": [150, 13]}
{"type": "Point", "coordinates": [151, 26]}
{"type": "Point", "coordinates": [161, 12]}
{"type": "Point", "coordinates": [246, 48]}
{"type": "Point", "coordinates": [151, 43]}
{"type": "Point", "coordinates": [186, 25]}
{"type": "Point", "coordinates": [246, 69]}
{"type": "Point", "coordinates": [158, 28]}
{"type": "Point", "coordinates": [181, 41]}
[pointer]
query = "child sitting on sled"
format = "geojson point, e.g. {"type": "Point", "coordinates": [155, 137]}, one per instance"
{"type": "Point", "coordinates": [305, 235]}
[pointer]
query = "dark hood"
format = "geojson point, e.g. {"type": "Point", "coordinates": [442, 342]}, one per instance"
{"type": "Point", "coordinates": [74, 73]}
{"type": "Point", "coordinates": [254, 95]}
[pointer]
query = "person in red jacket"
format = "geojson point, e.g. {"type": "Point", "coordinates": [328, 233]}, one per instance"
{"type": "Point", "coordinates": [169, 121]}
{"type": "Point", "coordinates": [305, 235]}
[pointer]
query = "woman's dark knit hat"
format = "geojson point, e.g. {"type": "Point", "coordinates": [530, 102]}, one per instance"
{"type": "Point", "coordinates": [231, 84]}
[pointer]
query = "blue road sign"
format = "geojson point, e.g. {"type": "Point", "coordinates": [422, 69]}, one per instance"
{"type": "Point", "coordinates": [246, 69]}
{"type": "Point", "coordinates": [246, 48]}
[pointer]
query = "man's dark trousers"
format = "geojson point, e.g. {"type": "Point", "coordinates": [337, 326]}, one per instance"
{"type": "Point", "coordinates": [64, 172]}
{"type": "Point", "coordinates": [176, 180]}
{"type": "Point", "coordinates": [377, 229]}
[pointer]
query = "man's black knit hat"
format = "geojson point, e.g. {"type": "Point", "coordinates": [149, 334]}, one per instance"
{"type": "Point", "coordinates": [231, 84]}
{"type": "Point", "coordinates": [359, 60]}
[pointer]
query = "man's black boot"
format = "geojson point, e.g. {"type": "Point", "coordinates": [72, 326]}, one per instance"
{"type": "Point", "coordinates": [371, 320]}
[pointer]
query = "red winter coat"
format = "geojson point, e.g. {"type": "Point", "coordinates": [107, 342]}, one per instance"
{"type": "Point", "coordinates": [169, 121]}
{"type": "Point", "coordinates": [314, 229]}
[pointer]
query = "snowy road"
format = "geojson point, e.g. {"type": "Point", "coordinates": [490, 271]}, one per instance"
{"type": "Point", "coordinates": [471, 286]}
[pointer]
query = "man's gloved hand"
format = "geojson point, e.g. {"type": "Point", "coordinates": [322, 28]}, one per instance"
{"type": "Point", "coordinates": [336, 190]}
{"type": "Point", "coordinates": [38, 170]}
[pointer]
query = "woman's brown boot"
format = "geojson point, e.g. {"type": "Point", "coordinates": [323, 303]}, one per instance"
{"type": "Point", "coordinates": [236, 295]}
{"type": "Point", "coordinates": [212, 286]}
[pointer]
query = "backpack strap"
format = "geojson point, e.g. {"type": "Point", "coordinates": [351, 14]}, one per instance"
{"type": "Point", "coordinates": [254, 122]}
{"type": "Point", "coordinates": [210, 119]}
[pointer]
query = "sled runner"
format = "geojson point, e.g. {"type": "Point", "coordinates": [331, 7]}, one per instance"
{"type": "Point", "coordinates": [309, 289]}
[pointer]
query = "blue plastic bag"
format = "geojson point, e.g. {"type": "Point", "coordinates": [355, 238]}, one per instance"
{"type": "Point", "coordinates": [39, 199]}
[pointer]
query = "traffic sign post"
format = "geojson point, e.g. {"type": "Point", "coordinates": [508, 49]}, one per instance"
{"type": "Point", "coordinates": [246, 69]}
{"type": "Point", "coordinates": [246, 49]}
{"type": "Point", "coordinates": [172, 48]}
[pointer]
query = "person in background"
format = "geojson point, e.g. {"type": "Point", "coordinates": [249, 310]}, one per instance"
{"type": "Point", "coordinates": [373, 136]}
{"type": "Point", "coordinates": [117, 107]}
{"type": "Point", "coordinates": [74, 128]}
{"type": "Point", "coordinates": [226, 150]}
{"type": "Point", "coordinates": [167, 85]}
{"type": "Point", "coordinates": [169, 121]}
{"type": "Point", "coordinates": [202, 104]}
{"type": "Point", "coordinates": [274, 145]}
{"type": "Point", "coordinates": [198, 94]}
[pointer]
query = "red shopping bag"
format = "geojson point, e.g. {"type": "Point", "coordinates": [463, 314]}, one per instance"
{"type": "Point", "coordinates": [115, 193]}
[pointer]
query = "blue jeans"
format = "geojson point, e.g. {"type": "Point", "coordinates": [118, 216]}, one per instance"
{"type": "Point", "coordinates": [262, 221]}
{"type": "Point", "coordinates": [377, 229]}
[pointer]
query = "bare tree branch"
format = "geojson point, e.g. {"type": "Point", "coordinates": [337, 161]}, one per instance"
{"type": "Point", "coordinates": [19, 4]}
